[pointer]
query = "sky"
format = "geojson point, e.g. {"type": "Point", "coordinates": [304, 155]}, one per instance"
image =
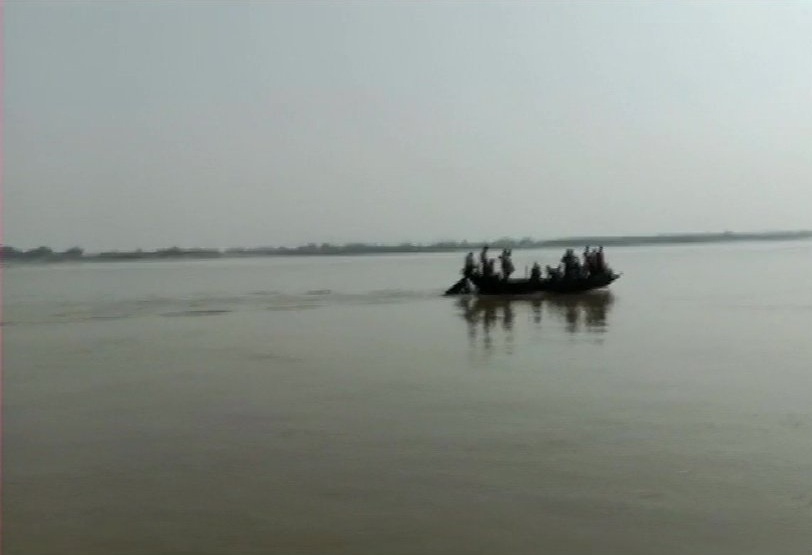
{"type": "Point", "coordinates": [146, 124]}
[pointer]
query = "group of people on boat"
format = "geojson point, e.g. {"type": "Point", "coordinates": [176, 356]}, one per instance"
{"type": "Point", "coordinates": [570, 268]}
{"type": "Point", "coordinates": [487, 266]}
{"type": "Point", "coordinates": [593, 263]}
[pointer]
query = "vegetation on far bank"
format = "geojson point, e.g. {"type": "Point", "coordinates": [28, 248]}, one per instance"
{"type": "Point", "coordinates": [46, 254]}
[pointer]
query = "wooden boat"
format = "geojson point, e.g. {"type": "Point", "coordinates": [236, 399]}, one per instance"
{"type": "Point", "coordinates": [570, 277]}
{"type": "Point", "coordinates": [481, 285]}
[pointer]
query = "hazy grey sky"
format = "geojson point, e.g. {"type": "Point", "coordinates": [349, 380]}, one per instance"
{"type": "Point", "coordinates": [200, 123]}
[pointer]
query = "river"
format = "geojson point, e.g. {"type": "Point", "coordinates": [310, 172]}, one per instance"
{"type": "Point", "coordinates": [340, 405]}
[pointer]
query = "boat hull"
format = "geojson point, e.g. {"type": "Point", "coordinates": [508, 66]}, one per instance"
{"type": "Point", "coordinates": [498, 286]}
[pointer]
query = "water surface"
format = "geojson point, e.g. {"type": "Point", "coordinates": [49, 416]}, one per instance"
{"type": "Point", "coordinates": [339, 405]}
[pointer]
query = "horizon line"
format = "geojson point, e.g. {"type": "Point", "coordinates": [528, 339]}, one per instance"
{"type": "Point", "coordinates": [446, 244]}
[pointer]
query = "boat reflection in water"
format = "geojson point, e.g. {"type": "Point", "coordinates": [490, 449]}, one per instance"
{"type": "Point", "coordinates": [583, 313]}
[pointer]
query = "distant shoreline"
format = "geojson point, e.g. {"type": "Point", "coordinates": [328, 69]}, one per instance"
{"type": "Point", "coordinates": [45, 254]}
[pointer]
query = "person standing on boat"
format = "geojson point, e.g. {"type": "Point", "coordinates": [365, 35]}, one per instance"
{"type": "Point", "coordinates": [589, 260]}
{"type": "Point", "coordinates": [568, 258]}
{"type": "Point", "coordinates": [600, 262]}
{"type": "Point", "coordinates": [507, 263]}
{"type": "Point", "coordinates": [571, 266]}
{"type": "Point", "coordinates": [483, 258]}
{"type": "Point", "coordinates": [470, 265]}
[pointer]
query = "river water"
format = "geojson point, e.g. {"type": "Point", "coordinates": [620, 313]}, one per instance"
{"type": "Point", "coordinates": [340, 405]}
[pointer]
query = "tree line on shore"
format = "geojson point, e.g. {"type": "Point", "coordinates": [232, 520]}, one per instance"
{"type": "Point", "coordinates": [46, 254]}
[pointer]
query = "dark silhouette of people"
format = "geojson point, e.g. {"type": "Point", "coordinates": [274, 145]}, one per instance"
{"type": "Point", "coordinates": [535, 272]}
{"type": "Point", "coordinates": [470, 265]}
{"type": "Point", "coordinates": [589, 260]}
{"type": "Point", "coordinates": [483, 258]}
{"type": "Point", "coordinates": [600, 262]}
{"type": "Point", "coordinates": [575, 273]}
{"type": "Point", "coordinates": [507, 263]}
{"type": "Point", "coordinates": [489, 268]}
{"type": "Point", "coordinates": [572, 268]}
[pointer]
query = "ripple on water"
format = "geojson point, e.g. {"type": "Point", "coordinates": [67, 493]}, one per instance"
{"type": "Point", "coordinates": [196, 312]}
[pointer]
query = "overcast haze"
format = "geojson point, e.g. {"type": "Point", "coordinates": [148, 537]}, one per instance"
{"type": "Point", "coordinates": [152, 124]}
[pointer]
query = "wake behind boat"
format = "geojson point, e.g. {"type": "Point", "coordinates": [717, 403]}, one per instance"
{"type": "Point", "coordinates": [571, 276]}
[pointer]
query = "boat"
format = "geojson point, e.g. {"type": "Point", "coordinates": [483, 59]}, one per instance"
{"type": "Point", "coordinates": [481, 285]}
{"type": "Point", "coordinates": [577, 281]}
